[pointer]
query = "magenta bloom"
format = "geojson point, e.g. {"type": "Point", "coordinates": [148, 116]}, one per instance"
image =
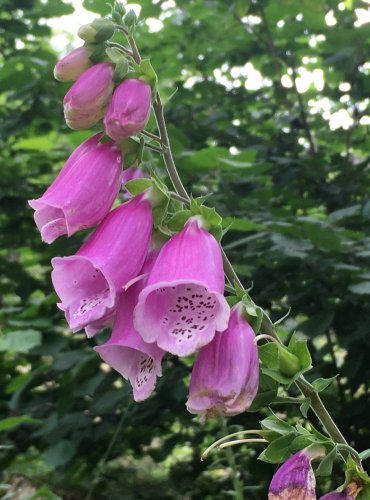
{"type": "Point", "coordinates": [295, 478]}
{"type": "Point", "coordinates": [129, 109]}
{"type": "Point", "coordinates": [126, 352]}
{"type": "Point", "coordinates": [83, 192]}
{"type": "Point", "coordinates": [71, 66]}
{"type": "Point", "coordinates": [225, 376]}
{"type": "Point", "coordinates": [88, 282]}
{"type": "Point", "coordinates": [350, 493]}
{"type": "Point", "coordinates": [183, 305]}
{"type": "Point", "coordinates": [86, 101]}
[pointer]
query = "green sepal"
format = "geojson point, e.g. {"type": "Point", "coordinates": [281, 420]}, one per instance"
{"type": "Point", "coordinates": [121, 69]}
{"type": "Point", "coordinates": [137, 186]}
{"type": "Point", "coordinates": [145, 71]}
{"type": "Point", "coordinates": [98, 31]}
{"type": "Point", "coordinates": [130, 21]}
{"type": "Point", "coordinates": [285, 364]}
{"type": "Point", "coordinates": [252, 312]}
{"type": "Point", "coordinates": [178, 220]}
{"type": "Point", "coordinates": [98, 52]}
{"type": "Point", "coordinates": [132, 150]}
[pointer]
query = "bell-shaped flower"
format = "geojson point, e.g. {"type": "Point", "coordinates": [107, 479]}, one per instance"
{"type": "Point", "coordinates": [88, 282]}
{"type": "Point", "coordinates": [83, 192]}
{"type": "Point", "coordinates": [129, 109]}
{"type": "Point", "coordinates": [295, 478]}
{"type": "Point", "coordinates": [183, 305]}
{"type": "Point", "coordinates": [71, 66]}
{"type": "Point", "coordinates": [126, 352]}
{"type": "Point", "coordinates": [350, 492]}
{"type": "Point", "coordinates": [225, 376]}
{"type": "Point", "coordinates": [86, 101]}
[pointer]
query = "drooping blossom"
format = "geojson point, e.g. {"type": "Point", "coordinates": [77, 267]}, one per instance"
{"type": "Point", "coordinates": [225, 376]}
{"type": "Point", "coordinates": [129, 109]}
{"type": "Point", "coordinates": [125, 351]}
{"type": "Point", "coordinates": [349, 493]}
{"type": "Point", "coordinates": [71, 66]}
{"type": "Point", "coordinates": [183, 306]}
{"type": "Point", "coordinates": [88, 282]}
{"type": "Point", "coordinates": [83, 192]}
{"type": "Point", "coordinates": [295, 478]}
{"type": "Point", "coordinates": [86, 101]}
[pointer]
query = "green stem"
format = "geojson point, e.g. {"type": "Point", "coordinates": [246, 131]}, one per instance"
{"type": "Point", "coordinates": [237, 482]}
{"type": "Point", "coordinates": [266, 327]}
{"type": "Point", "coordinates": [102, 462]}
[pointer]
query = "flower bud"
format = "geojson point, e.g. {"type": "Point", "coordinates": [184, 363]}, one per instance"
{"type": "Point", "coordinates": [85, 102]}
{"type": "Point", "coordinates": [295, 478]}
{"type": "Point", "coordinates": [71, 66]}
{"type": "Point", "coordinates": [97, 31]}
{"type": "Point", "coordinates": [129, 109]}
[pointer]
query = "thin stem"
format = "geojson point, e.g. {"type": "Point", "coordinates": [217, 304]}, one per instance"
{"type": "Point", "coordinates": [237, 482]}
{"type": "Point", "coordinates": [241, 441]}
{"type": "Point", "coordinates": [154, 148]}
{"type": "Point", "coordinates": [152, 136]}
{"type": "Point", "coordinates": [106, 455]}
{"type": "Point", "coordinates": [217, 443]}
{"type": "Point", "coordinates": [120, 47]}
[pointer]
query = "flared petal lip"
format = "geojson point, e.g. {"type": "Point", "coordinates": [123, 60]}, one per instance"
{"type": "Point", "coordinates": [39, 203]}
{"type": "Point", "coordinates": [107, 306]}
{"type": "Point", "coordinates": [183, 281]}
{"type": "Point", "coordinates": [158, 366]}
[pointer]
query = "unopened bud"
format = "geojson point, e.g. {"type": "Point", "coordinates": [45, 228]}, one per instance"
{"type": "Point", "coordinates": [97, 31]}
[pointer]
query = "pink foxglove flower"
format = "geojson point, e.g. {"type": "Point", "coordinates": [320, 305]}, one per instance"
{"type": "Point", "coordinates": [126, 352]}
{"type": "Point", "coordinates": [86, 101]}
{"type": "Point", "coordinates": [129, 109]}
{"type": "Point", "coordinates": [350, 492]}
{"type": "Point", "coordinates": [295, 478]}
{"type": "Point", "coordinates": [225, 376]}
{"type": "Point", "coordinates": [183, 305]}
{"type": "Point", "coordinates": [83, 192]}
{"type": "Point", "coordinates": [71, 66]}
{"type": "Point", "coordinates": [88, 282]}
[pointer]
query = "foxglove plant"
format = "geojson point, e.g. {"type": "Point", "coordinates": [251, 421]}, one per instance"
{"type": "Point", "coordinates": [83, 192]}
{"type": "Point", "coordinates": [129, 109]}
{"type": "Point", "coordinates": [125, 351]}
{"type": "Point", "coordinates": [175, 304]}
{"type": "Point", "coordinates": [295, 478]}
{"type": "Point", "coordinates": [71, 66]}
{"type": "Point", "coordinates": [224, 380]}
{"type": "Point", "coordinates": [86, 101]}
{"type": "Point", "coordinates": [183, 306]}
{"type": "Point", "coordinates": [88, 282]}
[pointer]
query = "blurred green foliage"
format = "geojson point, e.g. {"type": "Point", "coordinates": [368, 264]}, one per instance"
{"type": "Point", "coordinates": [295, 192]}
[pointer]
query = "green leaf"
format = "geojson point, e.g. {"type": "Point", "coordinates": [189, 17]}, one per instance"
{"type": "Point", "coordinates": [365, 454]}
{"type": "Point", "coordinates": [12, 422]}
{"type": "Point", "coordinates": [305, 406]}
{"type": "Point", "coordinates": [44, 493]}
{"type": "Point", "coordinates": [326, 465]}
{"type": "Point", "coordinates": [20, 340]}
{"type": "Point", "coordinates": [178, 220]}
{"type": "Point", "coordinates": [60, 453]}
{"type": "Point", "coordinates": [267, 392]}
{"type": "Point", "coordinates": [321, 384]}
{"type": "Point", "coordinates": [279, 450]}
{"type": "Point", "coordinates": [137, 186]}
{"type": "Point", "coordinates": [273, 423]}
